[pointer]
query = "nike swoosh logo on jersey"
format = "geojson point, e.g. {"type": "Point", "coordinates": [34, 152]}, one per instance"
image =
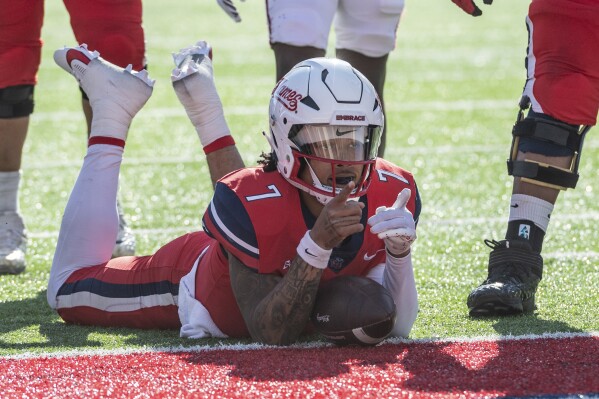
{"type": "Point", "coordinates": [514, 206]}
{"type": "Point", "coordinates": [371, 257]}
{"type": "Point", "coordinates": [343, 133]}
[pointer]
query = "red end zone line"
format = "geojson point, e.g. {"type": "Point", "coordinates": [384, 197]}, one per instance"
{"type": "Point", "coordinates": [558, 364]}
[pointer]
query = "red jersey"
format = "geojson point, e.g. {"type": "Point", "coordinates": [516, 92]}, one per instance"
{"type": "Point", "coordinates": [258, 217]}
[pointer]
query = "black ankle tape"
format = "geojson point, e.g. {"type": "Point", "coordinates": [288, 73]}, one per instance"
{"type": "Point", "coordinates": [526, 230]}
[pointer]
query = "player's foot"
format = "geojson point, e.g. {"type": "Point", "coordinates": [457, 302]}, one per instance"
{"type": "Point", "coordinates": [514, 274]}
{"type": "Point", "coordinates": [13, 243]}
{"type": "Point", "coordinates": [115, 94]}
{"type": "Point", "coordinates": [193, 81]}
{"type": "Point", "coordinates": [125, 240]}
{"type": "Point", "coordinates": [196, 58]}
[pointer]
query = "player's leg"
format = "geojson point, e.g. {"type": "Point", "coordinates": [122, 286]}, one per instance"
{"type": "Point", "coordinates": [20, 54]}
{"type": "Point", "coordinates": [375, 70]}
{"type": "Point", "coordinates": [563, 91]}
{"type": "Point", "coordinates": [114, 28]}
{"type": "Point", "coordinates": [131, 291]}
{"type": "Point", "coordinates": [298, 30]}
{"type": "Point", "coordinates": [287, 56]}
{"type": "Point", "coordinates": [193, 81]}
{"type": "Point", "coordinates": [90, 222]}
{"type": "Point", "coordinates": [366, 33]}
{"type": "Point", "coordinates": [13, 236]}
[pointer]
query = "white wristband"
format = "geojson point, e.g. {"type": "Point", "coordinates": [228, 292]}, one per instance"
{"type": "Point", "coordinates": [312, 254]}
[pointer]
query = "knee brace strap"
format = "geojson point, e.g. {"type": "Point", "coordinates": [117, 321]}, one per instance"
{"type": "Point", "coordinates": [543, 174]}
{"type": "Point", "coordinates": [546, 131]}
{"type": "Point", "coordinates": [16, 101]}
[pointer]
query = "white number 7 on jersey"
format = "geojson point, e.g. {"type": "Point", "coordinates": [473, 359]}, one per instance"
{"type": "Point", "coordinates": [274, 192]}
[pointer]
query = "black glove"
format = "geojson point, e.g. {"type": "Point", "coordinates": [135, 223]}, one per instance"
{"type": "Point", "coordinates": [469, 7]}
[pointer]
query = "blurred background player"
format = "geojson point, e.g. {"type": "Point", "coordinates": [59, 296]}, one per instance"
{"type": "Point", "coordinates": [365, 33]}
{"type": "Point", "coordinates": [561, 95]}
{"type": "Point", "coordinates": [112, 26]}
{"type": "Point", "coordinates": [320, 205]}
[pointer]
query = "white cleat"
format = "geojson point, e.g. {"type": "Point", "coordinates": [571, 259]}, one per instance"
{"type": "Point", "coordinates": [125, 240]}
{"type": "Point", "coordinates": [13, 243]}
{"type": "Point", "coordinates": [116, 95]}
{"type": "Point", "coordinates": [189, 60]}
{"type": "Point", "coordinates": [193, 81]}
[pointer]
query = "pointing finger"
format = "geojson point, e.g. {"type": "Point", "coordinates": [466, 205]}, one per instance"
{"type": "Point", "coordinates": [343, 195]}
{"type": "Point", "coordinates": [402, 198]}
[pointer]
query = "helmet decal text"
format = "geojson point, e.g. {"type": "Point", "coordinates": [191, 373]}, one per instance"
{"type": "Point", "coordinates": [288, 97]}
{"type": "Point", "coordinates": [350, 118]}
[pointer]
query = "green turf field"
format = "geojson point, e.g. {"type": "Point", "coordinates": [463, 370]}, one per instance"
{"type": "Point", "coordinates": [453, 84]}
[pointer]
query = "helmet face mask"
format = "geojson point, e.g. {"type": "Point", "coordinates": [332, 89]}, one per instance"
{"type": "Point", "coordinates": [324, 111]}
{"type": "Point", "coordinates": [337, 174]}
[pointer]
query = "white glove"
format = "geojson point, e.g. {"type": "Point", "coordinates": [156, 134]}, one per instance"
{"type": "Point", "coordinates": [395, 225]}
{"type": "Point", "coordinates": [230, 9]}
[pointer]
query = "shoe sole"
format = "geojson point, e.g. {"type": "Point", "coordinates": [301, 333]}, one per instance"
{"type": "Point", "coordinates": [66, 57]}
{"type": "Point", "coordinates": [73, 59]}
{"type": "Point", "coordinates": [7, 269]}
{"type": "Point", "coordinates": [187, 60]}
{"type": "Point", "coordinates": [497, 306]}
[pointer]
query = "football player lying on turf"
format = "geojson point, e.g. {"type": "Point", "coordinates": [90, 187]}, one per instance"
{"type": "Point", "coordinates": [316, 207]}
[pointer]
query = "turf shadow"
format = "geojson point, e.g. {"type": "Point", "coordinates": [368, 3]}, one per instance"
{"type": "Point", "coordinates": [37, 327]}
{"type": "Point", "coordinates": [33, 313]}
{"type": "Point", "coordinates": [286, 364]}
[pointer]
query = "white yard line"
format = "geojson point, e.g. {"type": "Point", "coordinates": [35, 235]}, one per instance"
{"type": "Point", "coordinates": [305, 345]}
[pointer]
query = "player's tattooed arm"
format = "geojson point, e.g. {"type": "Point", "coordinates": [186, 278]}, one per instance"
{"type": "Point", "coordinates": [275, 309]}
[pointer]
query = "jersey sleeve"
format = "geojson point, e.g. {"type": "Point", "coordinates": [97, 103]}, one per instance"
{"type": "Point", "coordinates": [388, 181]}
{"type": "Point", "coordinates": [227, 221]}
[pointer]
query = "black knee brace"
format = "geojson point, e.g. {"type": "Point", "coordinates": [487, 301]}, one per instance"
{"type": "Point", "coordinates": [547, 136]}
{"type": "Point", "coordinates": [16, 101]}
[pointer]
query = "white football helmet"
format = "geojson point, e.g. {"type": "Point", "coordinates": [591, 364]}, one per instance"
{"type": "Point", "coordinates": [325, 110]}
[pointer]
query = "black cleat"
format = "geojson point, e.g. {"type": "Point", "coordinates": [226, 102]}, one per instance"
{"type": "Point", "coordinates": [514, 274]}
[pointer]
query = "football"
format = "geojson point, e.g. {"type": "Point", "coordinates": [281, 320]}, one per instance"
{"type": "Point", "coordinates": [352, 310]}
